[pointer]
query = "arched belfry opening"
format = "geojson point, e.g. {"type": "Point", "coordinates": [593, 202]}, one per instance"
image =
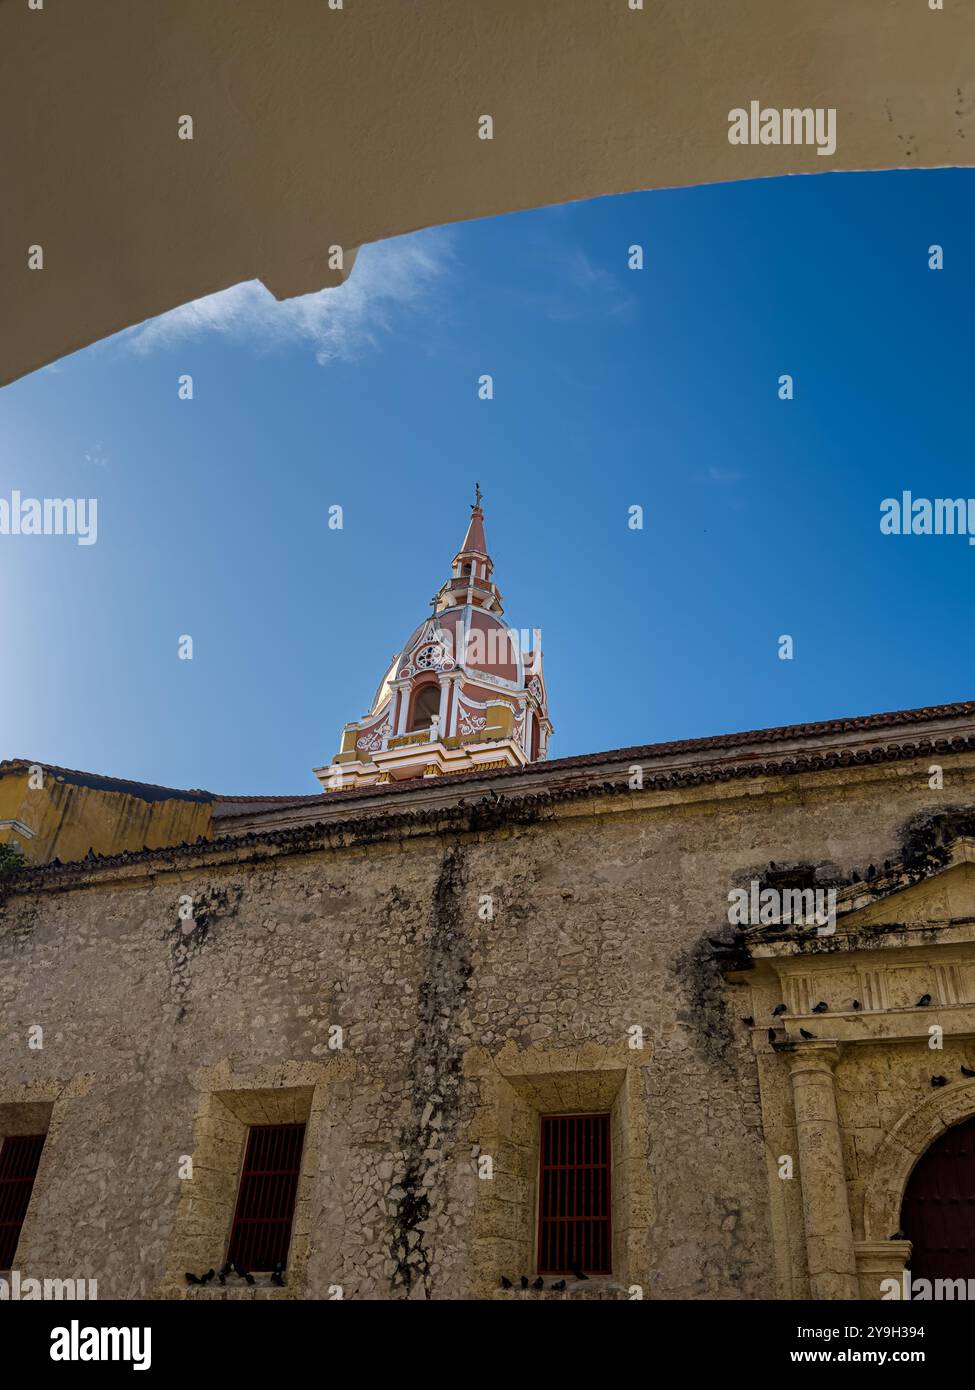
{"type": "Point", "coordinates": [426, 703]}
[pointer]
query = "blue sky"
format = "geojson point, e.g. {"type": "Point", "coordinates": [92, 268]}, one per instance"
{"type": "Point", "coordinates": [612, 388]}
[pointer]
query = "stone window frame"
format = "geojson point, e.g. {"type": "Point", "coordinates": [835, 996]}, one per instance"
{"type": "Point", "coordinates": [517, 1087]}
{"type": "Point", "coordinates": [34, 1108]}
{"type": "Point", "coordinates": [227, 1105]}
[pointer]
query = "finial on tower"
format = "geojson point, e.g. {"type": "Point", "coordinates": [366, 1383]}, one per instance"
{"type": "Point", "coordinates": [477, 496]}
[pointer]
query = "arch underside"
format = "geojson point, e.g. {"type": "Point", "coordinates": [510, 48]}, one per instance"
{"type": "Point", "coordinates": [342, 127]}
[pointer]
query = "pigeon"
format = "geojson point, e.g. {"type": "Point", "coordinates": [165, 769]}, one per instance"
{"type": "Point", "coordinates": [939, 1081]}
{"type": "Point", "coordinates": [771, 1036]}
{"type": "Point", "coordinates": [871, 871]}
{"type": "Point", "coordinates": [749, 1022]}
{"type": "Point", "coordinates": [559, 1287]}
{"type": "Point", "coordinates": [248, 1278]}
{"type": "Point", "coordinates": [524, 1281]}
{"type": "Point", "coordinates": [966, 1071]}
{"type": "Point", "coordinates": [821, 1008]}
{"type": "Point", "coordinates": [193, 1278]}
{"type": "Point", "coordinates": [807, 1035]}
{"type": "Point", "coordinates": [923, 1002]}
{"type": "Point", "coordinates": [898, 1235]}
{"type": "Point", "coordinates": [277, 1276]}
{"type": "Point", "coordinates": [506, 1282]}
{"type": "Point", "coordinates": [577, 1273]}
{"type": "Point", "coordinates": [207, 1277]}
{"type": "Point", "coordinates": [222, 1276]}
{"type": "Point", "coordinates": [778, 1010]}
{"type": "Point", "coordinates": [857, 1004]}
{"type": "Point", "coordinates": [539, 1283]}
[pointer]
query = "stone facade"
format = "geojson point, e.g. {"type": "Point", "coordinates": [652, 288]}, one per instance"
{"type": "Point", "coordinates": [494, 948]}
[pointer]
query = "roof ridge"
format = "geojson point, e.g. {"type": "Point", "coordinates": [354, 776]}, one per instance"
{"type": "Point", "coordinates": [9, 764]}
{"type": "Point", "coordinates": [846, 724]}
{"type": "Point", "coordinates": [484, 811]}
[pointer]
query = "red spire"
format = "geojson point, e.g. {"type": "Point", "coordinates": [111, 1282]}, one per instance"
{"type": "Point", "coordinates": [471, 573]}
{"type": "Point", "coordinates": [474, 540]}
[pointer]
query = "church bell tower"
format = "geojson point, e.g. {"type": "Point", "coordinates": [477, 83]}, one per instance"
{"type": "Point", "coordinates": [465, 692]}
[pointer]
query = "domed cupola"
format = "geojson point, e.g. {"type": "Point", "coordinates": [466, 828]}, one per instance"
{"type": "Point", "coordinates": [465, 692]}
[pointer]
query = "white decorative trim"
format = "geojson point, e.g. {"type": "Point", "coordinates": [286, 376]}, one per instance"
{"type": "Point", "coordinates": [19, 826]}
{"type": "Point", "coordinates": [471, 723]}
{"type": "Point", "coordinates": [372, 741]}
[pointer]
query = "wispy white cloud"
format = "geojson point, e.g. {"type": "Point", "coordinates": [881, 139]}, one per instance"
{"type": "Point", "coordinates": [586, 276]}
{"type": "Point", "coordinates": [388, 278]}
{"type": "Point", "coordinates": [594, 291]}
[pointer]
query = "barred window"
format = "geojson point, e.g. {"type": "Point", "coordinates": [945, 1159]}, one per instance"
{"type": "Point", "coordinates": [574, 1227]}
{"type": "Point", "coordinates": [19, 1156]}
{"type": "Point", "coordinates": [266, 1200]}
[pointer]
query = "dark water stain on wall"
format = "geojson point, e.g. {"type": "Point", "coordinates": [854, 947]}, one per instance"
{"type": "Point", "coordinates": [187, 938]}
{"type": "Point", "coordinates": [436, 1077]}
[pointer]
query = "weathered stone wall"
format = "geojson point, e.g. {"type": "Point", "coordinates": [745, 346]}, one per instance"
{"type": "Point", "coordinates": [463, 1017]}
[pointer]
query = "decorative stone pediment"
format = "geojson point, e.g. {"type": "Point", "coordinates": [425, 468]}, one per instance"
{"type": "Point", "coordinates": [900, 908]}
{"type": "Point", "coordinates": [899, 940]}
{"type": "Point", "coordinates": [944, 899]}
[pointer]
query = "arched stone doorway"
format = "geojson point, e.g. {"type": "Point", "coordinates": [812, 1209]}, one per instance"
{"type": "Point", "coordinates": [880, 1254]}
{"type": "Point", "coordinates": [938, 1212]}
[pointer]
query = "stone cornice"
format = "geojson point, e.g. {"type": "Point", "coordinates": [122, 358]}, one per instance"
{"type": "Point", "coordinates": [462, 815]}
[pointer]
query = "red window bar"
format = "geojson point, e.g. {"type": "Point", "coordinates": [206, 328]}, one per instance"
{"type": "Point", "coordinates": [19, 1156]}
{"type": "Point", "coordinates": [266, 1201]}
{"type": "Point", "coordinates": [574, 1227]}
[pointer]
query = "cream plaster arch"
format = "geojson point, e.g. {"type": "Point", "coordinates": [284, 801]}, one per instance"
{"type": "Point", "coordinates": [901, 1150]}
{"type": "Point", "coordinates": [323, 124]}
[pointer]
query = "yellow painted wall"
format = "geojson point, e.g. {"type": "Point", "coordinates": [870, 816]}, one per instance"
{"type": "Point", "coordinates": [68, 819]}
